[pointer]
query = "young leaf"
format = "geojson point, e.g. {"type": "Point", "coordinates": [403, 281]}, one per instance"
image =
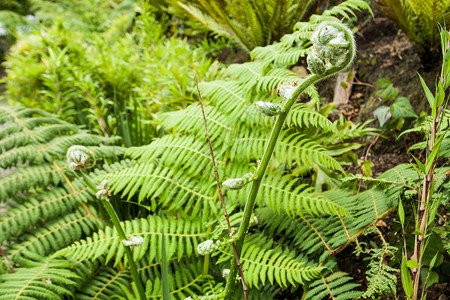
{"type": "Point", "coordinates": [419, 164]}
{"type": "Point", "coordinates": [401, 108]}
{"type": "Point", "coordinates": [383, 114]}
{"type": "Point", "coordinates": [412, 264]}
{"type": "Point", "coordinates": [367, 168]}
{"type": "Point", "coordinates": [433, 154]}
{"type": "Point", "coordinates": [427, 91]}
{"type": "Point", "coordinates": [401, 212]}
{"type": "Point", "coordinates": [433, 260]}
{"type": "Point", "coordinates": [406, 279]}
{"type": "Point", "coordinates": [387, 93]}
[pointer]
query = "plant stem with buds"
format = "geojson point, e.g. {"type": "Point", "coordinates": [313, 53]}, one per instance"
{"type": "Point", "coordinates": [116, 223]}
{"type": "Point", "coordinates": [248, 210]}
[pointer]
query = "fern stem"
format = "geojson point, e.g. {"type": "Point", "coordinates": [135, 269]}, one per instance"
{"type": "Point", "coordinates": [236, 255]}
{"type": "Point", "coordinates": [8, 262]}
{"type": "Point", "coordinates": [268, 152]}
{"type": "Point", "coordinates": [116, 223]}
{"type": "Point", "coordinates": [248, 210]}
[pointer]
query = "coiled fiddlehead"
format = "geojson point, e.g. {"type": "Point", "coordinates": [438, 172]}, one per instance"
{"type": "Point", "coordinates": [333, 51]}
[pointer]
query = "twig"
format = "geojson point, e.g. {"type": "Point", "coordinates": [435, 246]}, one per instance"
{"type": "Point", "coordinates": [236, 256]}
{"type": "Point", "coordinates": [123, 237]}
{"type": "Point", "coordinates": [8, 262]}
{"type": "Point", "coordinates": [367, 154]}
{"type": "Point", "coordinates": [358, 82]}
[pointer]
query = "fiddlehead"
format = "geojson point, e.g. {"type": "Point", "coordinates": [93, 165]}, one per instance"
{"type": "Point", "coordinates": [333, 51]}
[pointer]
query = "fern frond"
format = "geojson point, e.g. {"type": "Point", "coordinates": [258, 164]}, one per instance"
{"type": "Point", "coordinates": [331, 233]}
{"type": "Point", "coordinates": [104, 285]}
{"type": "Point", "coordinates": [205, 19]}
{"type": "Point", "coordinates": [263, 261]}
{"type": "Point", "coordinates": [283, 193]}
{"type": "Point", "coordinates": [227, 95]}
{"type": "Point", "coordinates": [278, 54]}
{"type": "Point", "coordinates": [337, 285]}
{"type": "Point", "coordinates": [38, 152]}
{"type": "Point", "coordinates": [52, 204]}
{"type": "Point", "coordinates": [292, 147]}
{"type": "Point", "coordinates": [190, 120]}
{"type": "Point", "coordinates": [183, 153]}
{"type": "Point", "coordinates": [57, 234]}
{"type": "Point", "coordinates": [32, 176]}
{"type": "Point", "coordinates": [348, 8]}
{"type": "Point", "coordinates": [46, 279]}
{"type": "Point", "coordinates": [182, 237]}
{"type": "Point", "coordinates": [302, 116]}
{"type": "Point", "coordinates": [163, 187]}
{"type": "Point", "coordinates": [380, 277]}
{"type": "Point", "coordinates": [274, 78]}
{"type": "Point", "coordinates": [247, 75]}
{"type": "Point", "coordinates": [185, 279]}
{"type": "Point", "coordinates": [41, 134]}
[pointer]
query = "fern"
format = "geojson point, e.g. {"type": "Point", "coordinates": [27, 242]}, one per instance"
{"type": "Point", "coordinates": [418, 19]}
{"type": "Point", "coordinates": [47, 279]}
{"type": "Point", "coordinates": [379, 275]}
{"type": "Point", "coordinates": [263, 261]}
{"type": "Point", "coordinates": [106, 283]}
{"type": "Point", "coordinates": [263, 22]}
{"type": "Point", "coordinates": [182, 239]}
{"type": "Point", "coordinates": [172, 174]}
{"type": "Point", "coordinates": [49, 208]}
{"type": "Point", "coordinates": [169, 184]}
{"type": "Point", "coordinates": [338, 285]}
{"type": "Point", "coordinates": [294, 199]}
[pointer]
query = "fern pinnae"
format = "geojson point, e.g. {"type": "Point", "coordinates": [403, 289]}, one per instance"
{"type": "Point", "coordinates": [302, 116]}
{"type": "Point", "coordinates": [57, 234]}
{"type": "Point", "coordinates": [41, 134]}
{"type": "Point", "coordinates": [191, 120]}
{"type": "Point", "coordinates": [108, 243]}
{"type": "Point", "coordinates": [280, 54]}
{"type": "Point", "coordinates": [247, 75]}
{"type": "Point", "coordinates": [280, 192]}
{"type": "Point", "coordinates": [104, 285]}
{"type": "Point", "coordinates": [161, 186]}
{"type": "Point", "coordinates": [32, 176]}
{"type": "Point", "coordinates": [274, 78]}
{"type": "Point", "coordinates": [46, 279]}
{"type": "Point", "coordinates": [262, 261]}
{"type": "Point", "coordinates": [52, 204]}
{"type": "Point", "coordinates": [338, 285]}
{"type": "Point", "coordinates": [180, 152]}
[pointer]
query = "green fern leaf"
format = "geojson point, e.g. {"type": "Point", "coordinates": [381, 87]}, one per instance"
{"type": "Point", "coordinates": [283, 193]}
{"type": "Point", "coordinates": [181, 237]}
{"type": "Point", "coordinates": [46, 279]}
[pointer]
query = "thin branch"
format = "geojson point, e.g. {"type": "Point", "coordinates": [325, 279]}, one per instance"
{"type": "Point", "coordinates": [236, 255]}
{"type": "Point", "coordinates": [367, 154]}
{"type": "Point", "coordinates": [8, 262]}
{"type": "Point", "coordinates": [358, 82]}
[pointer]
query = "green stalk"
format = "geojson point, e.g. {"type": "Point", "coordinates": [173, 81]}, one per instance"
{"type": "Point", "coordinates": [248, 210]}
{"type": "Point", "coordinates": [116, 223]}
{"type": "Point", "coordinates": [164, 269]}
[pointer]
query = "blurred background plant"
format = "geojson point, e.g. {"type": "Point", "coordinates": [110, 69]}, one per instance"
{"type": "Point", "coordinates": [12, 20]}
{"type": "Point", "coordinates": [111, 74]}
{"type": "Point", "coordinates": [418, 19]}
{"type": "Point", "coordinates": [249, 23]}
